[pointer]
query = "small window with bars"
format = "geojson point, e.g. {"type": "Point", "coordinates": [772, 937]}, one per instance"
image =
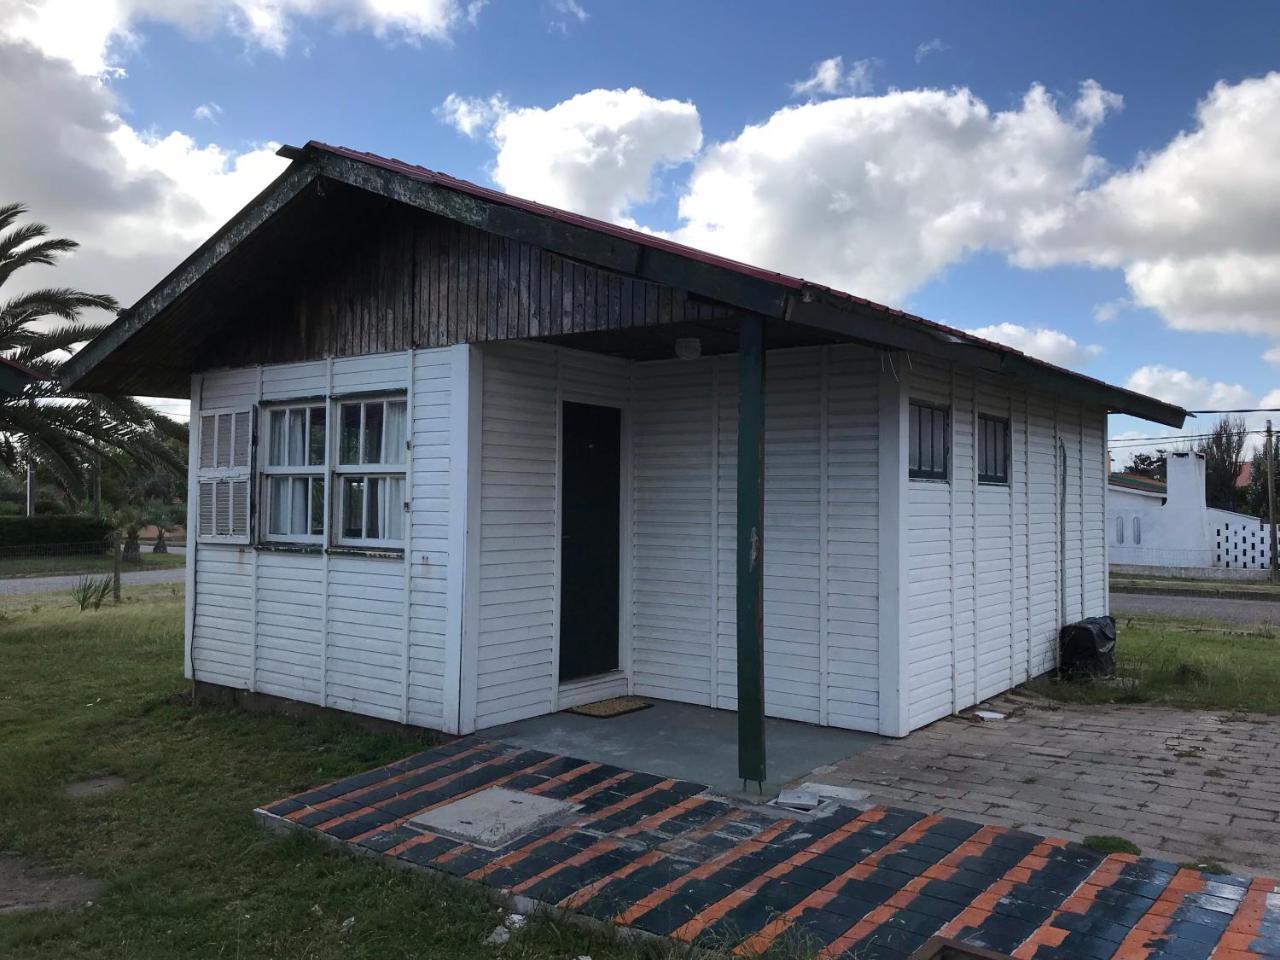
{"type": "Point", "coordinates": [226, 451]}
{"type": "Point", "coordinates": [993, 449]}
{"type": "Point", "coordinates": [929, 442]}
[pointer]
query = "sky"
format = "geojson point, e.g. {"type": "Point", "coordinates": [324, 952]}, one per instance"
{"type": "Point", "coordinates": [1097, 184]}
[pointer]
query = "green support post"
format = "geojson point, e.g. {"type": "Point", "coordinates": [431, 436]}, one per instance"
{"type": "Point", "coordinates": [751, 762]}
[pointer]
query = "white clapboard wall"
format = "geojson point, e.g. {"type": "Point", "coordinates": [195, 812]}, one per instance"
{"type": "Point", "coordinates": [985, 561]}
{"type": "Point", "coordinates": [358, 633]}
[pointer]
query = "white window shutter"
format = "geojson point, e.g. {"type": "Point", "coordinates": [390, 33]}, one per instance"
{"type": "Point", "coordinates": [224, 512]}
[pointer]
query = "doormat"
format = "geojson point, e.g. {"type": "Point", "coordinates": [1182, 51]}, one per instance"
{"type": "Point", "coordinates": [613, 707]}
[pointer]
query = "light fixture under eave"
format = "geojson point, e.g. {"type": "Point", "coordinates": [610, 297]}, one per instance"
{"type": "Point", "coordinates": [688, 348]}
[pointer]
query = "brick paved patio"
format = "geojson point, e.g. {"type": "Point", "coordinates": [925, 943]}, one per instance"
{"type": "Point", "coordinates": [668, 857]}
{"type": "Point", "coordinates": [1182, 784]}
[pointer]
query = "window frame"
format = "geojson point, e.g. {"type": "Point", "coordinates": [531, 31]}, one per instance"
{"type": "Point", "coordinates": [994, 420]}
{"type": "Point", "coordinates": [932, 474]}
{"type": "Point", "coordinates": [232, 478]}
{"type": "Point", "coordinates": [382, 470]}
{"type": "Point", "coordinates": [268, 471]}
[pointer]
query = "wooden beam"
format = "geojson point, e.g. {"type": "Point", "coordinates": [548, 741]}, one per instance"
{"type": "Point", "coordinates": [750, 586]}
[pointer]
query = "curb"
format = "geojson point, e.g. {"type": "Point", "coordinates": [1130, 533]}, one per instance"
{"type": "Point", "coordinates": [1226, 594]}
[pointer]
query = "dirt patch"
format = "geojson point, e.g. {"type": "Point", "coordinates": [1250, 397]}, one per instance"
{"type": "Point", "coordinates": [95, 786]}
{"type": "Point", "coordinates": [24, 886]}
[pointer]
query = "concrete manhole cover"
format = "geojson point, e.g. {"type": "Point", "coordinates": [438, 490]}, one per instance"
{"type": "Point", "coordinates": [491, 818]}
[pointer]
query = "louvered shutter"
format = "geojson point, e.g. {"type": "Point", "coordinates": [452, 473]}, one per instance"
{"type": "Point", "coordinates": [225, 475]}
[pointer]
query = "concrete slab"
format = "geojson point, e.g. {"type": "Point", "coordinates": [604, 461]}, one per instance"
{"type": "Point", "coordinates": [493, 817]}
{"type": "Point", "coordinates": [688, 743]}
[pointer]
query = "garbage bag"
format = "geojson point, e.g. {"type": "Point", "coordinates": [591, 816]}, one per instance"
{"type": "Point", "coordinates": [1088, 648]}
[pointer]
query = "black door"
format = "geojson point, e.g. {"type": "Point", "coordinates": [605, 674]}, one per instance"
{"type": "Point", "coordinates": [591, 461]}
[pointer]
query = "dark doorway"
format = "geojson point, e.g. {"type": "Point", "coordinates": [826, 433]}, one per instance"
{"type": "Point", "coordinates": [589, 545]}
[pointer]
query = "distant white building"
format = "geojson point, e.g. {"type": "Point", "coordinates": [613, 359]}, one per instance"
{"type": "Point", "coordinates": [1154, 524]}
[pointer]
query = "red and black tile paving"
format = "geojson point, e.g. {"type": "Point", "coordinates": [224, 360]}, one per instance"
{"type": "Point", "coordinates": [668, 857]}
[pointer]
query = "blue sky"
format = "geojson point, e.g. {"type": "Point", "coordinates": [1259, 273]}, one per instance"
{"type": "Point", "coordinates": [340, 71]}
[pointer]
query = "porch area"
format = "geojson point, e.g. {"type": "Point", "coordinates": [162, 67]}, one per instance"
{"type": "Point", "coordinates": [669, 857]}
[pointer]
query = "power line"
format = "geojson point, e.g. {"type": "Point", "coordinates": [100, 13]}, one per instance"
{"type": "Point", "coordinates": [1176, 438]}
{"type": "Point", "coordinates": [1241, 410]}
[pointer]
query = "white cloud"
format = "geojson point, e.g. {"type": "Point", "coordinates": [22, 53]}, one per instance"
{"type": "Point", "coordinates": [472, 116]}
{"type": "Point", "coordinates": [1106, 312]}
{"type": "Point", "coordinates": [563, 13]}
{"type": "Point", "coordinates": [94, 34]}
{"type": "Point", "coordinates": [1192, 225]}
{"type": "Point", "coordinates": [830, 79]}
{"type": "Point", "coordinates": [1051, 345]}
{"type": "Point", "coordinates": [1272, 356]}
{"type": "Point", "coordinates": [207, 111]}
{"type": "Point", "coordinates": [596, 153]}
{"type": "Point", "coordinates": [136, 201]}
{"type": "Point", "coordinates": [936, 45]}
{"type": "Point", "coordinates": [1187, 390]}
{"type": "Point", "coordinates": [878, 194]}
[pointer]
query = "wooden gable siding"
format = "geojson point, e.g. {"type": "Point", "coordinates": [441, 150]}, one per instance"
{"type": "Point", "coordinates": [416, 280]}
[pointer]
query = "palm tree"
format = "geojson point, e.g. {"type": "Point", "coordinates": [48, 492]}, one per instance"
{"type": "Point", "coordinates": [64, 433]}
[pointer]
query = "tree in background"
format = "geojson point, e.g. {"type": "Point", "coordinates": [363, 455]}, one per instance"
{"type": "Point", "coordinates": [1147, 465]}
{"type": "Point", "coordinates": [1256, 493]}
{"type": "Point", "coordinates": [1222, 450]}
{"type": "Point", "coordinates": [67, 434]}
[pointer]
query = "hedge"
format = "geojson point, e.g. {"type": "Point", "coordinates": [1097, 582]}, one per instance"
{"type": "Point", "coordinates": [52, 528]}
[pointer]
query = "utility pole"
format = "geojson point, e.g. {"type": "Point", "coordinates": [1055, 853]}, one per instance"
{"type": "Point", "coordinates": [1271, 501]}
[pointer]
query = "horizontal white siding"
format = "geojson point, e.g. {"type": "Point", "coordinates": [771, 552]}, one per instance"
{"type": "Point", "coordinates": [820, 578]}
{"type": "Point", "coordinates": [516, 635]}
{"type": "Point", "coordinates": [984, 594]}
{"type": "Point", "coordinates": [336, 629]}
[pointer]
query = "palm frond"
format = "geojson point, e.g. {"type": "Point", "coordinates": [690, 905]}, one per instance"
{"type": "Point", "coordinates": [61, 302]}
{"type": "Point", "coordinates": [9, 212]}
{"type": "Point", "coordinates": [38, 253]}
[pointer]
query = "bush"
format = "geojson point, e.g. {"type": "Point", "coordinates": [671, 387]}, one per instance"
{"type": "Point", "coordinates": [53, 528]}
{"type": "Point", "coordinates": [91, 592]}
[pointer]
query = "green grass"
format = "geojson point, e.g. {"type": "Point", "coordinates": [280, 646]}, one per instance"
{"type": "Point", "coordinates": [188, 872]}
{"type": "Point", "coordinates": [56, 566]}
{"type": "Point", "coordinates": [1185, 665]}
{"type": "Point", "coordinates": [1110, 844]}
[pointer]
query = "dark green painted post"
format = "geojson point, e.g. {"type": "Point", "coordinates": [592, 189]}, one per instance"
{"type": "Point", "coordinates": [751, 765]}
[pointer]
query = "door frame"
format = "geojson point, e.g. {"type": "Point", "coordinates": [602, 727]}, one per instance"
{"type": "Point", "coordinates": [562, 695]}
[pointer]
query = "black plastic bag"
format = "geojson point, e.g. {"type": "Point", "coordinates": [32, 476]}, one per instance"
{"type": "Point", "coordinates": [1088, 648]}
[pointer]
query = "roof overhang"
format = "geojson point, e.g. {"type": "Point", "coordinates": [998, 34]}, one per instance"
{"type": "Point", "coordinates": [103, 364]}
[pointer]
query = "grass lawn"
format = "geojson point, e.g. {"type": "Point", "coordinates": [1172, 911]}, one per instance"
{"type": "Point", "coordinates": [187, 871]}
{"type": "Point", "coordinates": [56, 566]}
{"type": "Point", "coordinates": [1185, 665]}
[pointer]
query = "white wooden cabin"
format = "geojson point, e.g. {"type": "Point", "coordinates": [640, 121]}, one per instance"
{"type": "Point", "coordinates": [384, 431]}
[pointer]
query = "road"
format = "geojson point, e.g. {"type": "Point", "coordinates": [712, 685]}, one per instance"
{"type": "Point", "coordinates": [12, 586]}
{"type": "Point", "coordinates": [1196, 608]}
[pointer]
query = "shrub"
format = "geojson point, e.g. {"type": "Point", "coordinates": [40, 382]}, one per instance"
{"type": "Point", "coordinates": [91, 592]}
{"type": "Point", "coordinates": [53, 528]}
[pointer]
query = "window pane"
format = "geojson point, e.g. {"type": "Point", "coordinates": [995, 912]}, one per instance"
{"type": "Point", "coordinates": [278, 505]}
{"type": "Point", "coordinates": [353, 507]}
{"type": "Point", "coordinates": [297, 436]}
{"type": "Point", "coordinates": [317, 506]}
{"type": "Point", "coordinates": [315, 438]}
{"type": "Point", "coordinates": [349, 439]}
{"type": "Point", "coordinates": [373, 432]}
{"type": "Point", "coordinates": [913, 444]}
{"type": "Point", "coordinates": [939, 439]}
{"type": "Point", "coordinates": [394, 433]}
{"type": "Point", "coordinates": [276, 451]}
{"type": "Point", "coordinates": [377, 507]}
{"type": "Point", "coordinates": [394, 512]}
{"type": "Point", "coordinates": [1137, 530]}
{"type": "Point", "coordinates": [298, 506]}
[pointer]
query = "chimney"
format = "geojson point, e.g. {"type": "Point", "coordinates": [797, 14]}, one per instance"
{"type": "Point", "coordinates": [1186, 480]}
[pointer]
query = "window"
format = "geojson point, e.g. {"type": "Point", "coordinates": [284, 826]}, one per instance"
{"type": "Point", "coordinates": [993, 449]}
{"type": "Point", "coordinates": [370, 472]}
{"type": "Point", "coordinates": [1137, 530]}
{"type": "Point", "coordinates": [226, 441]}
{"type": "Point", "coordinates": [1119, 530]}
{"type": "Point", "coordinates": [928, 445]}
{"type": "Point", "coordinates": [293, 473]}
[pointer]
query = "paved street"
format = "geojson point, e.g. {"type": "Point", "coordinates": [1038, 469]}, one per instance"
{"type": "Point", "coordinates": [12, 586]}
{"type": "Point", "coordinates": [1182, 784]}
{"type": "Point", "coordinates": [1196, 608]}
